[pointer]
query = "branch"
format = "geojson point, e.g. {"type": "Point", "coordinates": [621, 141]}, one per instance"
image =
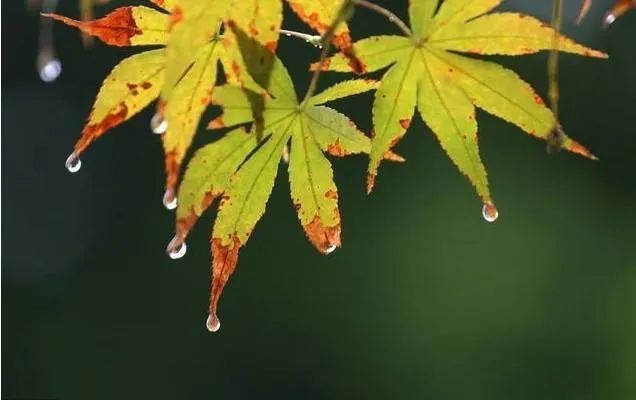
{"type": "Point", "coordinates": [553, 60]}
{"type": "Point", "coordinates": [314, 40]}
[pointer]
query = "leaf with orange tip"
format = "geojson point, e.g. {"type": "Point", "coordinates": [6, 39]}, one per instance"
{"type": "Point", "coordinates": [125, 26]}
{"type": "Point", "coordinates": [245, 180]}
{"type": "Point", "coordinates": [130, 86]}
{"type": "Point", "coordinates": [425, 72]}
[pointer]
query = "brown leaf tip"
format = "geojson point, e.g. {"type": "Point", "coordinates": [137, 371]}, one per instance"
{"type": "Point", "coordinates": [224, 260]}
{"type": "Point", "coordinates": [325, 239]}
{"type": "Point", "coordinates": [391, 156]}
{"type": "Point", "coordinates": [370, 182]}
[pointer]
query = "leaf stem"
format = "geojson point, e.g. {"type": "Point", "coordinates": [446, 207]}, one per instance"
{"type": "Point", "coordinates": [315, 40]}
{"type": "Point", "coordinates": [345, 12]}
{"type": "Point", "coordinates": [388, 14]}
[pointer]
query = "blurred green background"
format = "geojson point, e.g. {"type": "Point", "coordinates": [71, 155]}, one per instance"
{"type": "Point", "coordinates": [424, 300]}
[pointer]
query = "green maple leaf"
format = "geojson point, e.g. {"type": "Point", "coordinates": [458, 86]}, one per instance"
{"type": "Point", "coordinates": [241, 167]}
{"type": "Point", "coordinates": [426, 71]}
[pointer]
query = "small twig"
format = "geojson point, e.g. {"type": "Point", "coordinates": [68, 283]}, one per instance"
{"type": "Point", "coordinates": [557, 135]}
{"type": "Point", "coordinates": [388, 14]}
{"type": "Point", "coordinates": [553, 60]}
{"type": "Point", "coordinates": [314, 78]}
{"type": "Point", "coordinates": [315, 40]}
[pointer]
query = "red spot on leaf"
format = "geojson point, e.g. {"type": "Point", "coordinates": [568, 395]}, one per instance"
{"type": "Point", "coordinates": [336, 150]}
{"type": "Point", "coordinates": [115, 29]}
{"type": "Point", "coordinates": [331, 194]}
{"type": "Point", "coordinates": [271, 46]}
{"type": "Point", "coordinates": [538, 100]}
{"type": "Point", "coordinates": [176, 16]}
{"type": "Point", "coordinates": [405, 123]}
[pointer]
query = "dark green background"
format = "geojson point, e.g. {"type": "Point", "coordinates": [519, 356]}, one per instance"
{"type": "Point", "coordinates": [424, 300]}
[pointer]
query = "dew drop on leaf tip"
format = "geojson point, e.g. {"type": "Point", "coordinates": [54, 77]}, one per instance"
{"type": "Point", "coordinates": [330, 249]}
{"type": "Point", "coordinates": [213, 323]}
{"type": "Point", "coordinates": [169, 199]}
{"type": "Point", "coordinates": [176, 248]}
{"type": "Point", "coordinates": [73, 163]}
{"type": "Point", "coordinates": [490, 212]}
{"type": "Point", "coordinates": [158, 124]}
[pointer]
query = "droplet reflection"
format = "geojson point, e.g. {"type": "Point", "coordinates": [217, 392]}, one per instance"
{"type": "Point", "coordinates": [50, 70]}
{"type": "Point", "coordinates": [330, 249]}
{"type": "Point", "coordinates": [213, 323]}
{"type": "Point", "coordinates": [176, 248]}
{"type": "Point", "coordinates": [490, 212]}
{"type": "Point", "coordinates": [158, 124]}
{"type": "Point", "coordinates": [73, 163]}
{"type": "Point", "coordinates": [169, 199]}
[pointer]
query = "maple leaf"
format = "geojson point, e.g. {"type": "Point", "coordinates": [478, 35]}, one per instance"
{"type": "Point", "coordinates": [184, 74]}
{"type": "Point", "coordinates": [135, 81]}
{"type": "Point", "coordinates": [241, 167]}
{"type": "Point", "coordinates": [426, 71]}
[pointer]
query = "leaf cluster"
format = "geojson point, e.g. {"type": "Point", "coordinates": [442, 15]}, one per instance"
{"type": "Point", "coordinates": [224, 53]}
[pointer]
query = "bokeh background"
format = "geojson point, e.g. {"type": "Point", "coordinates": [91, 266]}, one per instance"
{"type": "Point", "coordinates": [424, 300]}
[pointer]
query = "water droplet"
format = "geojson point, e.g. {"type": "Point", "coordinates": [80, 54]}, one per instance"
{"type": "Point", "coordinates": [158, 124]}
{"type": "Point", "coordinates": [490, 212]}
{"type": "Point", "coordinates": [50, 70]}
{"type": "Point", "coordinates": [609, 19]}
{"type": "Point", "coordinates": [73, 163]}
{"type": "Point", "coordinates": [169, 199]}
{"type": "Point", "coordinates": [330, 249]}
{"type": "Point", "coordinates": [213, 323]}
{"type": "Point", "coordinates": [176, 248]}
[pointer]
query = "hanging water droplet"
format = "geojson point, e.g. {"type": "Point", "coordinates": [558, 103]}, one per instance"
{"type": "Point", "coordinates": [330, 249]}
{"type": "Point", "coordinates": [609, 19]}
{"type": "Point", "coordinates": [169, 199]}
{"type": "Point", "coordinates": [490, 212]}
{"type": "Point", "coordinates": [213, 323]}
{"type": "Point", "coordinates": [50, 69]}
{"type": "Point", "coordinates": [176, 248]}
{"type": "Point", "coordinates": [158, 124]}
{"type": "Point", "coordinates": [73, 163]}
